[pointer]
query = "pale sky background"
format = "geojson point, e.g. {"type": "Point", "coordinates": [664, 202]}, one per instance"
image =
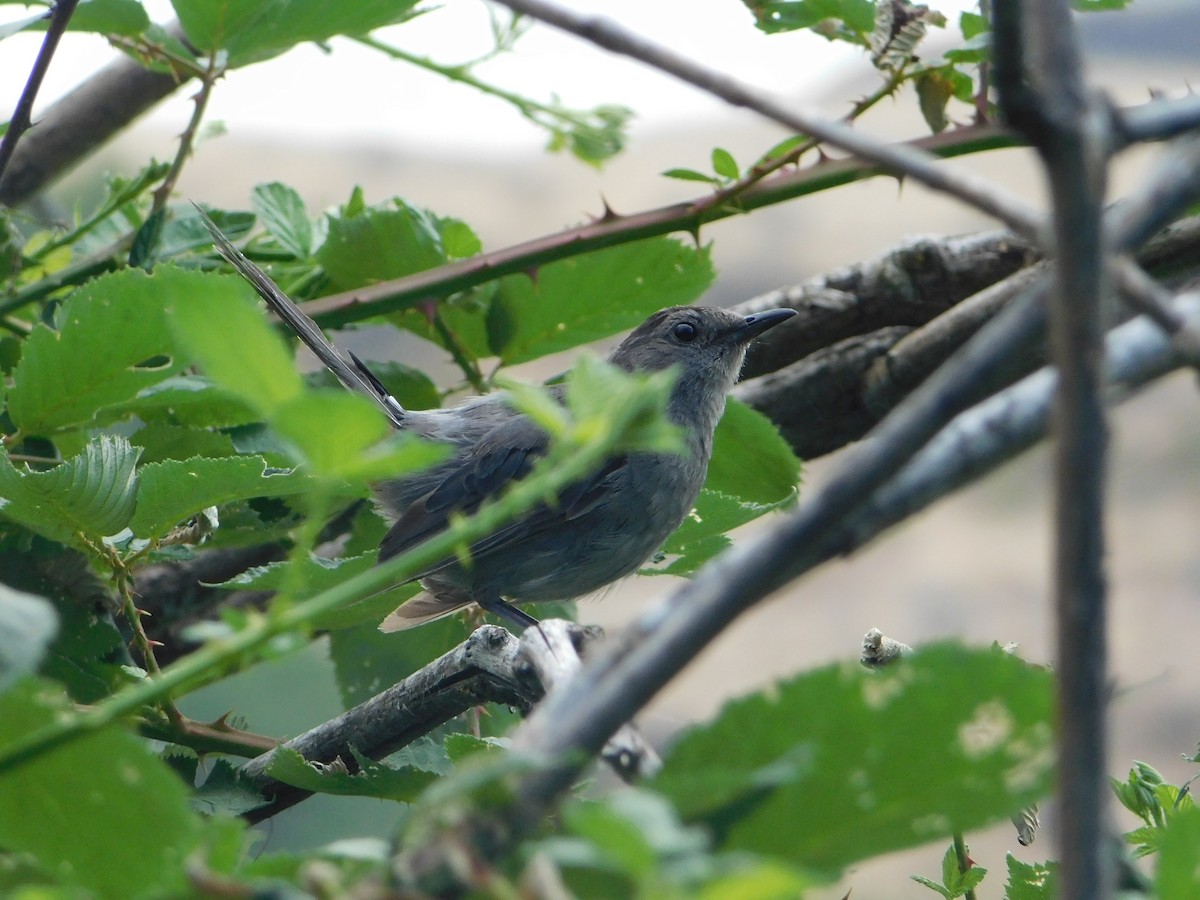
{"type": "Point", "coordinates": [358, 93]}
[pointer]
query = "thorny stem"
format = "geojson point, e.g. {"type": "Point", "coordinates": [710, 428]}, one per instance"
{"type": "Point", "coordinates": [964, 861]}
{"type": "Point", "coordinates": [187, 140]}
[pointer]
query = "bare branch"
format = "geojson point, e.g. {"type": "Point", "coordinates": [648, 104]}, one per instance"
{"type": "Point", "coordinates": [60, 15]}
{"type": "Point", "coordinates": [1158, 120]}
{"type": "Point", "coordinates": [81, 122]}
{"type": "Point", "coordinates": [1044, 94]}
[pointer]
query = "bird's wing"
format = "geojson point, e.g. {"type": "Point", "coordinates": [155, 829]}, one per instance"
{"type": "Point", "coordinates": [506, 454]}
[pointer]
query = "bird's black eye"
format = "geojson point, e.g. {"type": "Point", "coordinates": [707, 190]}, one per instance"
{"type": "Point", "coordinates": [685, 332]}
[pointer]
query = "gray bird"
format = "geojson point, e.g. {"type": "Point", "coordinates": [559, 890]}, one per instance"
{"type": "Point", "coordinates": [603, 527]}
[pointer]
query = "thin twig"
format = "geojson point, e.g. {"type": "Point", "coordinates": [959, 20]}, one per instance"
{"type": "Point", "coordinates": [897, 159]}
{"type": "Point", "coordinates": [187, 139]}
{"type": "Point", "coordinates": [22, 115]}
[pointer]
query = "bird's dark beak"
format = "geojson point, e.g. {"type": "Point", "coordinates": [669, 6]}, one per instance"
{"type": "Point", "coordinates": [756, 324]}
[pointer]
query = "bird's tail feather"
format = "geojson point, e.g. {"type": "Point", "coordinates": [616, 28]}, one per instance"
{"type": "Point", "coordinates": [418, 610]}
{"type": "Point", "coordinates": [350, 372]}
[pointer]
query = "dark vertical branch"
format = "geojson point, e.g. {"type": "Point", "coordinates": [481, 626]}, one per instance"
{"type": "Point", "coordinates": [1071, 129]}
{"type": "Point", "coordinates": [22, 117]}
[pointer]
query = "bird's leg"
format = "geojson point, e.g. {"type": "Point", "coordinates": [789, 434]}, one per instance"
{"type": "Point", "coordinates": [505, 610]}
{"type": "Point", "coordinates": [497, 606]}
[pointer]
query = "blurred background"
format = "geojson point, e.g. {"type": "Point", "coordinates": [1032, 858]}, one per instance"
{"type": "Point", "coordinates": [976, 567]}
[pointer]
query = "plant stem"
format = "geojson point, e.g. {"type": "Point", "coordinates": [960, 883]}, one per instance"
{"type": "Point", "coordinates": [964, 861]}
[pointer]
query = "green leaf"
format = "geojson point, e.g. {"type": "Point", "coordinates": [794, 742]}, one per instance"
{"type": "Point", "coordinates": [381, 244]}
{"type": "Point", "coordinates": [724, 164]}
{"type": "Point", "coordinates": [101, 813]}
{"type": "Point", "coordinates": [1099, 5]}
{"type": "Point", "coordinates": [228, 334]}
{"type": "Point", "coordinates": [172, 491]}
{"type": "Point", "coordinates": [127, 18]}
{"type": "Point", "coordinates": [28, 624]}
{"type": "Point", "coordinates": [932, 885]}
{"type": "Point", "coordinates": [412, 387]}
{"type": "Point", "coordinates": [375, 779]}
{"type": "Point", "coordinates": [574, 301]}
{"type": "Point", "coordinates": [950, 740]}
{"type": "Point", "coordinates": [283, 214]}
{"type": "Point", "coordinates": [934, 91]}
{"type": "Point", "coordinates": [1178, 875]}
{"type": "Point", "coordinates": [252, 30]}
{"type": "Point", "coordinates": [91, 495]}
{"type": "Point", "coordinates": [111, 342]}
{"type": "Point", "coordinates": [690, 175]}
{"type": "Point", "coordinates": [973, 24]}
{"type": "Point", "coordinates": [845, 20]}
{"type": "Point", "coordinates": [1030, 881]}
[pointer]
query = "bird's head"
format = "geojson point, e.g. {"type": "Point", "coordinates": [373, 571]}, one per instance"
{"type": "Point", "coordinates": [706, 345]}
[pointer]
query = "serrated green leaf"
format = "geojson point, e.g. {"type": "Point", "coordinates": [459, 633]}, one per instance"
{"type": "Point", "coordinates": [225, 792]}
{"type": "Point", "coordinates": [101, 812]}
{"type": "Point", "coordinates": [374, 780]}
{"type": "Point", "coordinates": [574, 301]}
{"type": "Point", "coordinates": [92, 495]}
{"type": "Point", "coordinates": [190, 401]}
{"type": "Point", "coordinates": [380, 244]}
{"type": "Point", "coordinates": [172, 491]}
{"type": "Point", "coordinates": [28, 624]}
{"type": "Point", "coordinates": [160, 441]}
{"type": "Point", "coordinates": [932, 885]}
{"type": "Point", "coordinates": [227, 333]}
{"type": "Point", "coordinates": [112, 341]}
{"type": "Point", "coordinates": [951, 740]}
{"type": "Point", "coordinates": [1030, 881]}
{"type": "Point", "coordinates": [283, 214]}
{"type": "Point", "coordinates": [724, 164]}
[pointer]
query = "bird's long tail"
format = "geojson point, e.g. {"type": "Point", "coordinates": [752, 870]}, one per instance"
{"type": "Point", "coordinates": [350, 372]}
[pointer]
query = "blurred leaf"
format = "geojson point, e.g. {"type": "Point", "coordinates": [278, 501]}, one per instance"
{"type": "Point", "coordinates": [1178, 875]}
{"type": "Point", "coordinates": [112, 341]}
{"type": "Point", "coordinates": [845, 20]}
{"type": "Point", "coordinates": [951, 740]}
{"type": "Point", "coordinates": [160, 441]}
{"type": "Point", "coordinates": [225, 791]}
{"type": "Point", "coordinates": [91, 495]}
{"type": "Point", "coordinates": [253, 30]}
{"type": "Point", "coordinates": [934, 91]}
{"type": "Point", "coordinates": [375, 779]}
{"type": "Point", "coordinates": [172, 491]}
{"type": "Point", "coordinates": [127, 18]}
{"type": "Point", "coordinates": [230, 337]}
{"type": "Point", "coordinates": [724, 164]}
{"type": "Point", "coordinates": [101, 812]}
{"type": "Point", "coordinates": [283, 214]}
{"type": "Point", "coordinates": [585, 298]}
{"type": "Point", "coordinates": [1030, 881]}
{"type": "Point", "coordinates": [28, 624]}
{"type": "Point", "coordinates": [1099, 5]}
{"type": "Point", "coordinates": [690, 175]}
{"type": "Point", "coordinates": [321, 574]}
{"type": "Point", "coordinates": [972, 24]}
